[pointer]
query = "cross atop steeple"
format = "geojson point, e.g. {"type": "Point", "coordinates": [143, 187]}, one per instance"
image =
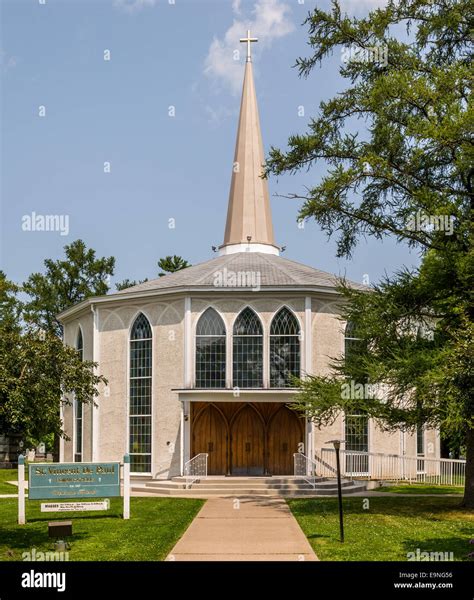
{"type": "Point", "coordinates": [248, 40]}
{"type": "Point", "coordinates": [249, 225]}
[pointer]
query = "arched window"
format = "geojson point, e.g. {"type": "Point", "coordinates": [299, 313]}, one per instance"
{"type": "Point", "coordinates": [140, 395]}
{"type": "Point", "coordinates": [247, 351]}
{"type": "Point", "coordinates": [284, 348]}
{"type": "Point", "coordinates": [78, 408]}
{"type": "Point", "coordinates": [210, 350]}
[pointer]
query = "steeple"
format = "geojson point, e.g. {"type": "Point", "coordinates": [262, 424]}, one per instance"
{"type": "Point", "coordinates": [249, 220]}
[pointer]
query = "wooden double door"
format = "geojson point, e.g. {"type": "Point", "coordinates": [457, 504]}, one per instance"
{"type": "Point", "coordinates": [246, 438]}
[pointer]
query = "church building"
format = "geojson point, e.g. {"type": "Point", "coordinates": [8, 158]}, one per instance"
{"type": "Point", "coordinates": [201, 360]}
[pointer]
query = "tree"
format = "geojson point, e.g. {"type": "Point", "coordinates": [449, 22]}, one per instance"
{"type": "Point", "coordinates": [37, 374]}
{"type": "Point", "coordinates": [127, 283]}
{"type": "Point", "coordinates": [171, 264]}
{"type": "Point", "coordinates": [410, 176]}
{"type": "Point", "coordinates": [64, 283]}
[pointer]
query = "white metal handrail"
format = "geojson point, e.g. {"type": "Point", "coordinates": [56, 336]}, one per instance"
{"type": "Point", "coordinates": [394, 467]}
{"type": "Point", "coordinates": [305, 467]}
{"type": "Point", "coordinates": [195, 469]}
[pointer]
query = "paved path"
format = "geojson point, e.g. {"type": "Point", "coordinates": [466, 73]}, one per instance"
{"type": "Point", "coordinates": [245, 528]}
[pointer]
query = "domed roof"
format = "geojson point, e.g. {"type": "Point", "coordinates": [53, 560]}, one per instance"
{"type": "Point", "coordinates": [240, 270]}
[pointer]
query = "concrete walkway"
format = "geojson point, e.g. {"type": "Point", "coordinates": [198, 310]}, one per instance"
{"type": "Point", "coordinates": [245, 528]}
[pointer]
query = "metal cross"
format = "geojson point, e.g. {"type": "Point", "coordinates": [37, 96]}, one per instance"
{"type": "Point", "coordinates": [248, 41]}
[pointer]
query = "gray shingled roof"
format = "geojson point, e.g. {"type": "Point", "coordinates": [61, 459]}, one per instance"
{"type": "Point", "coordinates": [273, 271]}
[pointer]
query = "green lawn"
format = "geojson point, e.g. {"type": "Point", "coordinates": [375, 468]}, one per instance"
{"type": "Point", "coordinates": [389, 529]}
{"type": "Point", "coordinates": [8, 475]}
{"type": "Point", "coordinates": [155, 526]}
{"type": "Point", "coordinates": [421, 488]}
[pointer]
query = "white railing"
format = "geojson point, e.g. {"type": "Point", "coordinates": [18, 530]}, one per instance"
{"type": "Point", "coordinates": [195, 469]}
{"type": "Point", "coordinates": [306, 468]}
{"type": "Point", "coordinates": [393, 467]}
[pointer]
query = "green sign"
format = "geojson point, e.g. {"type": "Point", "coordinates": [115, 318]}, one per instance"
{"type": "Point", "coordinates": [73, 480]}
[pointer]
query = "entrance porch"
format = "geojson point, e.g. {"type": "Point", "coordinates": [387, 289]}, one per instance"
{"type": "Point", "coordinates": [246, 438]}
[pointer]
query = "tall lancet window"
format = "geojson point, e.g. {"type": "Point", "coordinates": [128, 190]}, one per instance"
{"type": "Point", "coordinates": [78, 408]}
{"type": "Point", "coordinates": [248, 351]}
{"type": "Point", "coordinates": [356, 425]}
{"type": "Point", "coordinates": [210, 351]}
{"type": "Point", "coordinates": [284, 349]}
{"type": "Point", "coordinates": [140, 395]}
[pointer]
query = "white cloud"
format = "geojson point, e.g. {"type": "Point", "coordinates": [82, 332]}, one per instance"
{"type": "Point", "coordinates": [131, 6]}
{"type": "Point", "coordinates": [270, 20]}
{"type": "Point", "coordinates": [236, 6]}
{"type": "Point", "coordinates": [216, 115]}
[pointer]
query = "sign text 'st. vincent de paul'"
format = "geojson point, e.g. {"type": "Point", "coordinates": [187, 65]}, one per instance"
{"type": "Point", "coordinates": [73, 480]}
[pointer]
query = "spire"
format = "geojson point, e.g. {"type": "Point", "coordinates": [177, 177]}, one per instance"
{"type": "Point", "coordinates": [249, 220]}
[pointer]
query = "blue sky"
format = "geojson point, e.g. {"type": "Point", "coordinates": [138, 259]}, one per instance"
{"type": "Point", "coordinates": [162, 167]}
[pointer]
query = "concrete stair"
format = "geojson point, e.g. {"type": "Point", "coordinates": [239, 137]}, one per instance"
{"type": "Point", "coordinates": [287, 487]}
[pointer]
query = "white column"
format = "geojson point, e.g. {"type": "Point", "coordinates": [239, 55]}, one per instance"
{"type": "Point", "coordinates": [308, 336]}
{"type": "Point", "coordinates": [95, 409]}
{"type": "Point", "coordinates": [228, 358]}
{"type": "Point", "coordinates": [61, 439]}
{"type": "Point", "coordinates": [126, 486]}
{"type": "Point", "coordinates": [21, 490]}
{"type": "Point", "coordinates": [188, 380]}
{"type": "Point", "coordinates": [181, 439]}
{"type": "Point", "coordinates": [61, 416]}
{"type": "Point", "coordinates": [308, 366]}
{"type": "Point", "coordinates": [266, 357]}
{"type": "Point", "coordinates": [188, 362]}
{"type": "Point", "coordinates": [187, 430]}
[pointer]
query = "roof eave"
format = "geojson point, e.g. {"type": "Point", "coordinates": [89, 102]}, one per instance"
{"type": "Point", "coordinates": [69, 312]}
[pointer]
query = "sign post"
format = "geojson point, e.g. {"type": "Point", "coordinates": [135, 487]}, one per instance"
{"type": "Point", "coordinates": [81, 482]}
{"type": "Point", "coordinates": [21, 490]}
{"type": "Point", "coordinates": [126, 486]}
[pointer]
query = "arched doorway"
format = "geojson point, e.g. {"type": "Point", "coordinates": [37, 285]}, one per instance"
{"type": "Point", "coordinates": [285, 432]}
{"type": "Point", "coordinates": [210, 435]}
{"type": "Point", "coordinates": [247, 442]}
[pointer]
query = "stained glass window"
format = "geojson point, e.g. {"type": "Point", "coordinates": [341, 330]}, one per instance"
{"type": "Point", "coordinates": [140, 395]}
{"type": "Point", "coordinates": [284, 348]}
{"type": "Point", "coordinates": [210, 350]}
{"type": "Point", "coordinates": [247, 350]}
{"type": "Point", "coordinates": [78, 408]}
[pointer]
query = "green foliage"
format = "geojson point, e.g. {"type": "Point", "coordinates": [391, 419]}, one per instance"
{"type": "Point", "coordinates": [65, 282]}
{"type": "Point", "coordinates": [155, 526]}
{"type": "Point", "coordinates": [414, 159]}
{"type": "Point", "coordinates": [416, 110]}
{"type": "Point", "coordinates": [171, 264]}
{"type": "Point", "coordinates": [421, 488]}
{"type": "Point", "coordinates": [387, 529]}
{"type": "Point", "coordinates": [37, 373]}
{"type": "Point", "coordinates": [128, 283]}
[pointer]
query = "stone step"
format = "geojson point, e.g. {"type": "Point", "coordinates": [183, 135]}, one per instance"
{"type": "Point", "coordinates": [222, 479]}
{"type": "Point", "coordinates": [201, 493]}
{"type": "Point", "coordinates": [271, 486]}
